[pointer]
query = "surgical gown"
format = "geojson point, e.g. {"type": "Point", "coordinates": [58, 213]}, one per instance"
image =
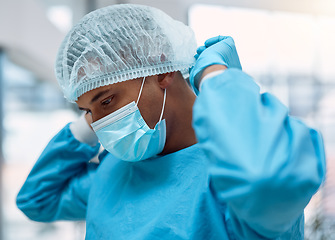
{"type": "Point", "coordinates": [250, 176]}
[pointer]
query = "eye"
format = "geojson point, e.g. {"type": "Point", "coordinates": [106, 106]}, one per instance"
{"type": "Point", "coordinates": [87, 111]}
{"type": "Point", "coordinates": [107, 101]}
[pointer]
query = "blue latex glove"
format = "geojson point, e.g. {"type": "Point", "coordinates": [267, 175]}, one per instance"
{"type": "Point", "coordinates": [217, 50]}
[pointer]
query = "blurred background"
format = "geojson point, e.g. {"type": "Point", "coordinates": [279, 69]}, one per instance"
{"type": "Point", "coordinates": [287, 46]}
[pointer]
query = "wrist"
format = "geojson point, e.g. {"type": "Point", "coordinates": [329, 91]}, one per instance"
{"type": "Point", "coordinates": [82, 131]}
{"type": "Point", "coordinates": [209, 72]}
{"type": "Point", "coordinates": [211, 69]}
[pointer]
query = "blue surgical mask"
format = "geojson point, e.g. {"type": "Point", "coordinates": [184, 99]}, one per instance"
{"type": "Point", "coordinates": [125, 134]}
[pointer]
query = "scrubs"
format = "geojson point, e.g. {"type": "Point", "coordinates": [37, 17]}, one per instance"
{"type": "Point", "coordinates": [250, 176]}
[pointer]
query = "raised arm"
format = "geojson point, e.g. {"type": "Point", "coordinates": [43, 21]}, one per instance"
{"type": "Point", "coordinates": [58, 185]}
{"type": "Point", "coordinates": [265, 165]}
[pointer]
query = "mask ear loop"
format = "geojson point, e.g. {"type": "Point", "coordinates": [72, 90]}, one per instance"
{"type": "Point", "coordinates": [139, 95]}
{"type": "Point", "coordinates": [164, 99]}
{"type": "Point", "coordinates": [160, 118]}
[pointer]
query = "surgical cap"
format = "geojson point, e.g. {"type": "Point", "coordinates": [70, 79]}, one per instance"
{"type": "Point", "coordinates": [119, 43]}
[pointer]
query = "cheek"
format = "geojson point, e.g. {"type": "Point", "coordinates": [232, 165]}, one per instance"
{"type": "Point", "coordinates": [97, 114]}
{"type": "Point", "coordinates": [151, 106]}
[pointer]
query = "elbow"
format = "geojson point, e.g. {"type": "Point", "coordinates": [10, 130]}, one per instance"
{"type": "Point", "coordinates": [309, 175]}
{"type": "Point", "coordinates": [34, 210]}
{"type": "Point", "coordinates": [300, 173]}
{"type": "Point", "coordinates": [292, 185]}
{"type": "Point", "coordinates": [292, 189]}
{"type": "Point", "coordinates": [306, 185]}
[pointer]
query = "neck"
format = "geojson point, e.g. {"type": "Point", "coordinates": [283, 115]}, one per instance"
{"type": "Point", "coordinates": [180, 133]}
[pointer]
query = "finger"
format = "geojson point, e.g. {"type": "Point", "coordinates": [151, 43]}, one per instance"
{"type": "Point", "coordinates": [209, 42]}
{"type": "Point", "coordinates": [200, 49]}
{"type": "Point", "coordinates": [229, 41]}
{"type": "Point", "coordinates": [214, 40]}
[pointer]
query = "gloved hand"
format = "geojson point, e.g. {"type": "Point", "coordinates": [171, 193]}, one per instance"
{"type": "Point", "coordinates": [217, 50]}
{"type": "Point", "coordinates": [82, 130]}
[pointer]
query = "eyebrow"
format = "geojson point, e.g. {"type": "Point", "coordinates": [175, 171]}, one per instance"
{"type": "Point", "coordinates": [82, 109]}
{"type": "Point", "coordinates": [98, 95]}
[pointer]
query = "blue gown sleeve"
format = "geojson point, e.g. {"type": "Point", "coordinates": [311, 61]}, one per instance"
{"type": "Point", "coordinates": [265, 165]}
{"type": "Point", "coordinates": [58, 185]}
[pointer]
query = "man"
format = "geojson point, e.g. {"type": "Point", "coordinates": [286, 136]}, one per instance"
{"type": "Point", "coordinates": [250, 176]}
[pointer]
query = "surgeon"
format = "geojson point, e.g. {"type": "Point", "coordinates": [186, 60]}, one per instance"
{"type": "Point", "coordinates": [228, 164]}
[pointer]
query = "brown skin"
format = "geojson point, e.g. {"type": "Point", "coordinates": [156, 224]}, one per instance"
{"type": "Point", "coordinates": [212, 68]}
{"type": "Point", "coordinates": [178, 108]}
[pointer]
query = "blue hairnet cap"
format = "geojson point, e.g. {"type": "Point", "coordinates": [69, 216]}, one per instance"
{"type": "Point", "coordinates": [119, 43]}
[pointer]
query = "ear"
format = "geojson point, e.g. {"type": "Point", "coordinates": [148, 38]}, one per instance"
{"type": "Point", "coordinates": [164, 80]}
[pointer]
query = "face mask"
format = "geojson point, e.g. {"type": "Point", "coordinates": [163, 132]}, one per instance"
{"type": "Point", "coordinates": [125, 134]}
